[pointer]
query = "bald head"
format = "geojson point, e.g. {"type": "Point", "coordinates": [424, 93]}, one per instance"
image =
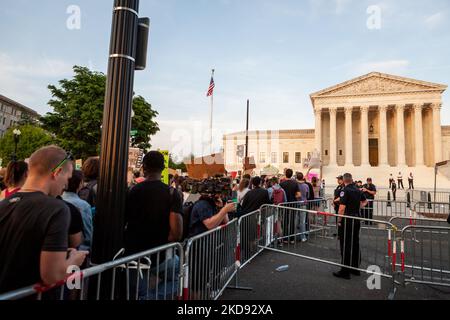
{"type": "Point", "coordinates": [44, 160]}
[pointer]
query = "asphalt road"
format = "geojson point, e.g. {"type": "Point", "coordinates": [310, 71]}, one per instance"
{"type": "Point", "coordinates": [309, 280]}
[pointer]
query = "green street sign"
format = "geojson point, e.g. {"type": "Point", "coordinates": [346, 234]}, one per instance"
{"type": "Point", "coordinates": [134, 133]}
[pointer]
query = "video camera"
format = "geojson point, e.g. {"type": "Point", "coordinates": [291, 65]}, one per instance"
{"type": "Point", "coordinates": [212, 186]}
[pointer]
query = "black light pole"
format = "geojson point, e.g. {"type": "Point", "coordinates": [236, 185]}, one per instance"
{"type": "Point", "coordinates": [112, 184]}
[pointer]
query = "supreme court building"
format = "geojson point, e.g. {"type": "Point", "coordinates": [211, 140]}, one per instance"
{"type": "Point", "coordinates": [374, 125]}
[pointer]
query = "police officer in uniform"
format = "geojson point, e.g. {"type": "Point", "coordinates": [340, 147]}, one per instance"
{"type": "Point", "coordinates": [370, 191]}
{"type": "Point", "coordinates": [351, 202]}
{"type": "Point", "coordinates": [337, 196]}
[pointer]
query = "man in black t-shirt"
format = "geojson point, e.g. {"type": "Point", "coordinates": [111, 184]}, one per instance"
{"type": "Point", "coordinates": [34, 226]}
{"type": "Point", "coordinates": [255, 198]}
{"type": "Point", "coordinates": [293, 194]}
{"type": "Point", "coordinates": [154, 214]}
{"type": "Point", "coordinates": [153, 217]}
{"type": "Point", "coordinates": [352, 200]}
{"type": "Point", "coordinates": [290, 187]}
{"type": "Point", "coordinates": [370, 191]}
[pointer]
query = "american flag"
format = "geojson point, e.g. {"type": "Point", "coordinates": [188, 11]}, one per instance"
{"type": "Point", "coordinates": [211, 87]}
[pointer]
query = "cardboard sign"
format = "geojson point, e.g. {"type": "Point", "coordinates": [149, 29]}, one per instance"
{"type": "Point", "coordinates": [78, 164]}
{"type": "Point", "coordinates": [165, 173]}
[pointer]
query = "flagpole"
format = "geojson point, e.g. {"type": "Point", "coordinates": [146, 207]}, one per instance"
{"type": "Point", "coordinates": [211, 119]}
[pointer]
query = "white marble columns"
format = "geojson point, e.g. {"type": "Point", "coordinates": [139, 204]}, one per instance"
{"type": "Point", "coordinates": [383, 144]}
{"type": "Point", "coordinates": [348, 137]}
{"type": "Point", "coordinates": [365, 136]}
{"type": "Point", "coordinates": [386, 150]}
{"type": "Point", "coordinates": [419, 135]}
{"type": "Point", "coordinates": [401, 150]}
{"type": "Point", "coordinates": [333, 138]}
{"type": "Point", "coordinates": [437, 133]}
{"type": "Point", "coordinates": [318, 130]}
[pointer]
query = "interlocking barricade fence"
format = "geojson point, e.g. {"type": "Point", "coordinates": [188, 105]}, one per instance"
{"type": "Point", "coordinates": [250, 231]}
{"type": "Point", "coordinates": [385, 209]}
{"type": "Point", "coordinates": [151, 275]}
{"type": "Point", "coordinates": [402, 222]}
{"type": "Point", "coordinates": [210, 262]}
{"type": "Point", "coordinates": [425, 255]}
{"type": "Point", "coordinates": [432, 210]}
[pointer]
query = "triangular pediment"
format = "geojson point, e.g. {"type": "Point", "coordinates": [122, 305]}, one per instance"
{"type": "Point", "coordinates": [378, 83]}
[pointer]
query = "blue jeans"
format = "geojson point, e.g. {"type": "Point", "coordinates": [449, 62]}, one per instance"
{"type": "Point", "coordinates": [160, 286]}
{"type": "Point", "coordinates": [300, 222]}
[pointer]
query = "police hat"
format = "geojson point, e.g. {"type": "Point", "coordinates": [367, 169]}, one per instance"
{"type": "Point", "coordinates": [340, 177]}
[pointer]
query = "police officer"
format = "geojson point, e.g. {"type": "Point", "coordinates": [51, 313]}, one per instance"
{"type": "Point", "coordinates": [351, 202]}
{"type": "Point", "coordinates": [337, 195]}
{"type": "Point", "coordinates": [370, 191]}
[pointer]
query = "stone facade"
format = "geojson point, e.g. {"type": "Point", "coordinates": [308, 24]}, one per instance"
{"type": "Point", "coordinates": [377, 125]}
{"type": "Point", "coordinates": [282, 149]}
{"type": "Point", "coordinates": [12, 112]}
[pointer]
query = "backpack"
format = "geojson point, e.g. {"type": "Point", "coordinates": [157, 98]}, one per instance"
{"type": "Point", "coordinates": [89, 192]}
{"type": "Point", "coordinates": [277, 196]}
{"type": "Point", "coordinates": [187, 211]}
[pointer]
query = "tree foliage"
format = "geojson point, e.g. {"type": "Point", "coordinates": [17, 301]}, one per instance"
{"type": "Point", "coordinates": [32, 138]}
{"type": "Point", "coordinates": [77, 114]}
{"type": "Point", "coordinates": [175, 165]}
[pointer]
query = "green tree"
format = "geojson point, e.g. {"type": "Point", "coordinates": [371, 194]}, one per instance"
{"type": "Point", "coordinates": [78, 114]}
{"type": "Point", "coordinates": [175, 165]}
{"type": "Point", "coordinates": [31, 139]}
{"type": "Point", "coordinates": [143, 123]}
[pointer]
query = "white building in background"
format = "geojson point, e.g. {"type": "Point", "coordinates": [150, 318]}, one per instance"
{"type": "Point", "coordinates": [374, 125]}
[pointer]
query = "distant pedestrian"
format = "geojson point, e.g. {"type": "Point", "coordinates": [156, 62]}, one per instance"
{"type": "Point", "coordinates": [400, 181]}
{"type": "Point", "coordinates": [394, 190]}
{"type": "Point", "coordinates": [391, 180]}
{"type": "Point", "coordinates": [370, 191]}
{"type": "Point", "coordinates": [411, 181]}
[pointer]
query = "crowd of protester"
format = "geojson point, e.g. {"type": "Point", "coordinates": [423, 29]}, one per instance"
{"type": "Point", "coordinates": [48, 208]}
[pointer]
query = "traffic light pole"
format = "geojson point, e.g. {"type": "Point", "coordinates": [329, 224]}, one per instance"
{"type": "Point", "coordinates": [112, 184]}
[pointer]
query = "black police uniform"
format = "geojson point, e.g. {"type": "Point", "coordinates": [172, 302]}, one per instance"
{"type": "Point", "coordinates": [337, 195]}
{"type": "Point", "coordinates": [349, 229]}
{"type": "Point", "coordinates": [367, 212]}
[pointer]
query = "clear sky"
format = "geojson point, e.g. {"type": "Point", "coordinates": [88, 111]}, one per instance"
{"type": "Point", "coordinates": [274, 52]}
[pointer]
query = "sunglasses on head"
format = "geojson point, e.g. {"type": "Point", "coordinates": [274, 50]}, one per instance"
{"type": "Point", "coordinates": [68, 157]}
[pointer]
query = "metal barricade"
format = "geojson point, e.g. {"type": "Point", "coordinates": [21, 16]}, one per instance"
{"type": "Point", "coordinates": [402, 222]}
{"type": "Point", "coordinates": [432, 210]}
{"type": "Point", "coordinates": [210, 262]}
{"type": "Point", "coordinates": [356, 245]}
{"type": "Point", "coordinates": [152, 275]}
{"type": "Point", "coordinates": [425, 255]}
{"type": "Point", "coordinates": [385, 209]}
{"type": "Point", "coordinates": [249, 235]}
